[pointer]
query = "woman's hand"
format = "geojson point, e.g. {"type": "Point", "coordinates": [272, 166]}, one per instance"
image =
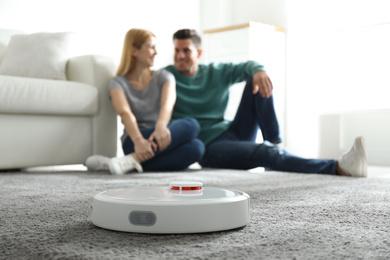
{"type": "Point", "coordinates": [144, 149]}
{"type": "Point", "coordinates": [161, 136]}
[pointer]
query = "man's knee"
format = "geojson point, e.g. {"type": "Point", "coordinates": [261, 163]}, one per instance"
{"type": "Point", "coordinates": [198, 149]}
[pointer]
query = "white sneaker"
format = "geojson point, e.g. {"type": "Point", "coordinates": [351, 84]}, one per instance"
{"type": "Point", "coordinates": [354, 163]}
{"type": "Point", "coordinates": [123, 165]}
{"type": "Point", "coordinates": [97, 163]}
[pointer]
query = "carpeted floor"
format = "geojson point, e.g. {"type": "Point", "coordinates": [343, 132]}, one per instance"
{"type": "Point", "coordinates": [46, 214]}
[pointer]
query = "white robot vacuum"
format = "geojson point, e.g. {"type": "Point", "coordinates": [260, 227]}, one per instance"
{"type": "Point", "coordinates": [181, 207]}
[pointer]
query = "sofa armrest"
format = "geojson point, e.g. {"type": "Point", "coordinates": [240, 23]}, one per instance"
{"type": "Point", "coordinates": [93, 70]}
{"type": "Point", "coordinates": [97, 71]}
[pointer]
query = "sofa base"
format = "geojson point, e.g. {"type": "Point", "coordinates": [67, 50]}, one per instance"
{"type": "Point", "coordinates": [28, 141]}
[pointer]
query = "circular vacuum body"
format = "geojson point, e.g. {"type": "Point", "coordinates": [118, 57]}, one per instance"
{"type": "Point", "coordinates": [181, 207]}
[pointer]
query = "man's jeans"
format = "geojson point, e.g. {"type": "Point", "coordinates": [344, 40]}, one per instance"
{"type": "Point", "coordinates": [236, 148]}
{"type": "Point", "coordinates": [182, 152]}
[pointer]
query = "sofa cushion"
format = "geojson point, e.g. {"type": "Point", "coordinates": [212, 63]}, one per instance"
{"type": "Point", "coordinates": [46, 97]}
{"type": "Point", "coordinates": [5, 37]}
{"type": "Point", "coordinates": [38, 55]}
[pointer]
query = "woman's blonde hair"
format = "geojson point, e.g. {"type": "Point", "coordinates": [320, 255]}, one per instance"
{"type": "Point", "coordinates": [134, 39]}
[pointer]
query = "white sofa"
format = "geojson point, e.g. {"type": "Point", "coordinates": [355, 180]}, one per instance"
{"type": "Point", "coordinates": [56, 122]}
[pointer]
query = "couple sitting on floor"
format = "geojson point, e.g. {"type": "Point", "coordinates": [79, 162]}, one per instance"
{"type": "Point", "coordinates": [174, 117]}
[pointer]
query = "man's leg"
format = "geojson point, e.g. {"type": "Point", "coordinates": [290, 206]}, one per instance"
{"type": "Point", "coordinates": [253, 113]}
{"type": "Point", "coordinates": [228, 152]}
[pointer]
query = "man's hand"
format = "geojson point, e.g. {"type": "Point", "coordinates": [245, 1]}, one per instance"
{"type": "Point", "coordinates": [162, 136]}
{"type": "Point", "coordinates": [262, 84]}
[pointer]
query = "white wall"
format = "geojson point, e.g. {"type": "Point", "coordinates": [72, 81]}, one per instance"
{"type": "Point", "coordinates": [338, 60]}
{"type": "Point", "coordinates": [104, 22]}
{"type": "Point", "coordinates": [221, 13]}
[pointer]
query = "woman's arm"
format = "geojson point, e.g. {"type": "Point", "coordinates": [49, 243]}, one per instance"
{"type": "Point", "coordinates": [161, 134]}
{"type": "Point", "coordinates": [142, 147]}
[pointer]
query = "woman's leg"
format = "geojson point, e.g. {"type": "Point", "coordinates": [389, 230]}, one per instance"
{"type": "Point", "coordinates": [182, 152]}
{"type": "Point", "coordinates": [182, 131]}
{"type": "Point", "coordinates": [177, 159]}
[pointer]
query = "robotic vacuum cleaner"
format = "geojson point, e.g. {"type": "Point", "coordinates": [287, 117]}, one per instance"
{"type": "Point", "coordinates": [181, 207]}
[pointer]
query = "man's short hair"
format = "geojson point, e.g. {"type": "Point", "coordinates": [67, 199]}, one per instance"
{"type": "Point", "coordinates": [189, 34]}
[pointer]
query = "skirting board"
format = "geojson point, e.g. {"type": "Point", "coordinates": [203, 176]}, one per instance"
{"type": "Point", "coordinates": [338, 131]}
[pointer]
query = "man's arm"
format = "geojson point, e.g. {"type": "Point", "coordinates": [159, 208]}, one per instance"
{"type": "Point", "coordinates": [234, 72]}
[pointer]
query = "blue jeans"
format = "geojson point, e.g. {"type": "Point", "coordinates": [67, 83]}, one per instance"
{"type": "Point", "coordinates": [183, 150]}
{"type": "Point", "coordinates": [236, 147]}
{"type": "Point", "coordinates": [254, 113]}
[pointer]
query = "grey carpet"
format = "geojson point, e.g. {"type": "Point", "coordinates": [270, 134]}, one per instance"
{"type": "Point", "coordinates": [47, 215]}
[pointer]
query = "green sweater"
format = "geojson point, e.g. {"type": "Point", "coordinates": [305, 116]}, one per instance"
{"type": "Point", "coordinates": [205, 96]}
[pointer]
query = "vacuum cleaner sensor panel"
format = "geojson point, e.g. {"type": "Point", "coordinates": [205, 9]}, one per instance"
{"type": "Point", "coordinates": [181, 207]}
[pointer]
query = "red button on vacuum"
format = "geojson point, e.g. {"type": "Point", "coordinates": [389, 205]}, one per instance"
{"type": "Point", "coordinates": [182, 185]}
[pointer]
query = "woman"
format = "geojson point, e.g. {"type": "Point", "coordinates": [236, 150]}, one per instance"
{"type": "Point", "coordinates": [144, 100]}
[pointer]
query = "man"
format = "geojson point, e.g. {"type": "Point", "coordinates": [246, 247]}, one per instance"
{"type": "Point", "coordinates": [202, 93]}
